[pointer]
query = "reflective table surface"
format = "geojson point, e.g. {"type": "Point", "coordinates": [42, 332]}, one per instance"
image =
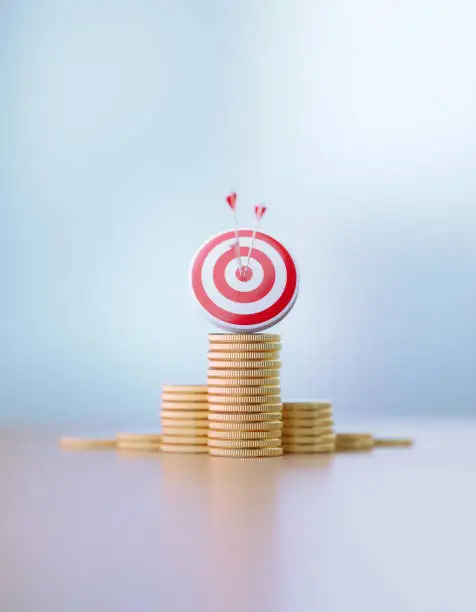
{"type": "Point", "coordinates": [390, 530]}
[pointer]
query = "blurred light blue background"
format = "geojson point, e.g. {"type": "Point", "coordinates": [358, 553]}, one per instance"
{"type": "Point", "coordinates": [123, 125]}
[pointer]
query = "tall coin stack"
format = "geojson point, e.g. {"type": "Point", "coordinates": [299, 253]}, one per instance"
{"type": "Point", "coordinates": [308, 427]}
{"type": "Point", "coordinates": [184, 419]}
{"type": "Point", "coordinates": [244, 395]}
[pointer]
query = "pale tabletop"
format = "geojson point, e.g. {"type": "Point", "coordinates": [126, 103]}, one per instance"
{"type": "Point", "coordinates": [388, 531]}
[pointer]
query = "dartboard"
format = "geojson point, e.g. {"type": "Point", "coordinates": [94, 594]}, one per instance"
{"type": "Point", "coordinates": [249, 299]}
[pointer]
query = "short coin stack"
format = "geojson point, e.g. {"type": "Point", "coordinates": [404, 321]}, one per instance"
{"type": "Point", "coordinates": [354, 442]}
{"type": "Point", "coordinates": [308, 427]}
{"type": "Point", "coordinates": [244, 395]}
{"type": "Point", "coordinates": [139, 441]}
{"type": "Point", "coordinates": [184, 419]}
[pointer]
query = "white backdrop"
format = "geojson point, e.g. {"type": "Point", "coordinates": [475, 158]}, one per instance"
{"type": "Point", "coordinates": [123, 125]}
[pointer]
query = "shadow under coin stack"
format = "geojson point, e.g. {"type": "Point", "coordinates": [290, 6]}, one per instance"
{"type": "Point", "coordinates": [244, 395]}
{"type": "Point", "coordinates": [184, 419]}
{"type": "Point", "coordinates": [308, 427]}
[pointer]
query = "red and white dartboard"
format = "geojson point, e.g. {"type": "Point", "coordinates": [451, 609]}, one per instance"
{"type": "Point", "coordinates": [250, 301]}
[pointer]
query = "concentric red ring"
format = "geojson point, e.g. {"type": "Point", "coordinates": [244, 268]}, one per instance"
{"type": "Point", "coordinates": [273, 312]}
{"type": "Point", "coordinates": [244, 297]}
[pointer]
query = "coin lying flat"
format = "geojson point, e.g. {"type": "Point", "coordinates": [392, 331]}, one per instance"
{"type": "Point", "coordinates": [190, 440]}
{"type": "Point", "coordinates": [242, 373]}
{"type": "Point", "coordinates": [242, 383]}
{"type": "Point", "coordinates": [244, 347]}
{"type": "Point", "coordinates": [244, 338]}
{"type": "Point", "coordinates": [244, 408]}
{"type": "Point", "coordinates": [139, 446]}
{"type": "Point", "coordinates": [184, 414]}
{"type": "Point", "coordinates": [183, 448]}
{"type": "Point", "coordinates": [307, 415]}
{"type": "Point", "coordinates": [308, 448]}
{"type": "Point", "coordinates": [189, 423]}
{"type": "Point", "coordinates": [243, 355]}
{"type": "Point", "coordinates": [185, 397]}
{"type": "Point", "coordinates": [189, 389]}
{"type": "Point", "coordinates": [354, 442]}
{"type": "Point", "coordinates": [184, 405]}
{"type": "Point", "coordinates": [247, 364]}
{"type": "Point", "coordinates": [139, 437]}
{"type": "Point", "coordinates": [309, 431]}
{"type": "Point", "coordinates": [243, 391]}
{"type": "Point", "coordinates": [184, 431]}
{"type": "Point", "coordinates": [77, 443]}
{"type": "Point", "coordinates": [242, 427]}
{"type": "Point", "coordinates": [314, 440]}
{"type": "Point", "coordinates": [234, 434]}
{"type": "Point", "coordinates": [307, 405]}
{"type": "Point", "coordinates": [245, 452]}
{"type": "Point", "coordinates": [388, 442]}
{"type": "Point", "coordinates": [263, 443]}
{"type": "Point", "coordinates": [246, 399]}
{"type": "Point", "coordinates": [252, 417]}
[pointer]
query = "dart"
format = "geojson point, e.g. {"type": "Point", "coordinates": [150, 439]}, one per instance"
{"type": "Point", "coordinates": [259, 212]}
{"type": "Point", "coordinates": [231, 200]}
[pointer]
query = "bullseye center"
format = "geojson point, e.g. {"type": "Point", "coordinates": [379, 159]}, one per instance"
{"type": "Point", "coordinates": [244, 274]}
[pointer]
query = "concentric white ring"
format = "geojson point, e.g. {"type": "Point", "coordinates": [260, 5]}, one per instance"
{"type": "Point", "coordinates": [277, 292]}
{"type": "Point", "coordinates": [244, 286]}
{"type": "Point", "coordinates": [246, 307]}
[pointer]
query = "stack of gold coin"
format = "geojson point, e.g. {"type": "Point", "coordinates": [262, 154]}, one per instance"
{"type": "Point", "coordinates": [244, 395]}
{"type": "Point", "coordinates": [354, 442]}
{"type": "Point", "coordinates": [308, 427]}
{"type": "Point", "coordinates": [184, 418]}
{"type": "Point", "coordinates": [366, 442]}
{"type": "Point", "coordinates": [138, 441]}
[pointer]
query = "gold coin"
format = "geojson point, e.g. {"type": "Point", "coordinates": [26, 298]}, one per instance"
{"type": "Point", "coordinates": [245, 347]}
{"type": "Point", "coordinates": [354, 442]}
{"type": "Point", "coordinates": [264, 443]}
{"type": "Point", "coordinates": [355, 437]}
{"type": "Point", "coordinates": [186, 414]}
{"type": "Point", "coordinates": [185, 431]}
{"type": "Point", "coordinates": [242, 374]}
{"type": "Point", "coordinates": [309, 448]}
{"type": "Point", "coordinates": [244, 427]}
{"type": "Point", "coordinates": [308, 431]}
{"type": "Point", "coordinates": [184, 405]}
{"type": "Point", "coordinates": [244, 408]}
{"type": "Point", "coordinates": [244, 338]}
{"type": "Point", "coordinates": [138, 446]}
{"type": "Point", "coordinates": [188, 398]}
{"type": "Point", "coordinates": [193, 440]}
{"type": "Point", "coordinates": [387, 442]}
{"type": "Point", "coordinates": [307, 425]}
{"type": "Point", "coordinates": [306, 415]}
{"type": "Point", "coordinates": [242, 356]}
{"type": "Point", "coordinates": [241, 391]}
{"type": "Point", "coordinates": [185, 423]}
{"type": "Point", "coordinates": [184, 448]}
{"type": "Point", "coordinates": [317, 406]}
{"type": "Point", "coordinates": [353, 447]}
{"type": "Point", "coordinates": [247, 365]}
{"type": "Point", "coordinates": [140, 437]}
{"type": "Point", "coordinates": [252, 417]}
{"type": "Point", "coordinates": [248, 383]}
{"type": "Point", "coordinates": [245, 452]}
{"type": "Point", "coordinates": [189, 389]}
{"type": "Point", "coordinates": [245, 399]}
{"type": "Point", "coordinates": [86, 443]}
{"type": "Point", "coordinates": [234, 434]}
{"type": "Point", "coordinates": [324, 439]}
